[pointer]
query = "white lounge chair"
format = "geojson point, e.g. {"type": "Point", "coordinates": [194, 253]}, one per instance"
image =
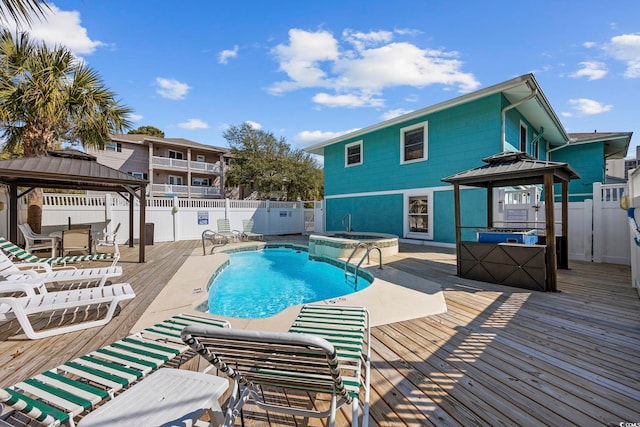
{"type": "Point", "coordinates": [325, 351]}
{"type": "Point", "coordinates": [71, 301]}
{"type": "Point", "coordinates": [23, 255]}
{"type": "Point", "coordinates": [224, 230]}
{"type": "Point", "coordinates": [247, 230]}
{"type": "Point", "coordinates": [41, 274]}
{"type": "Point", "coordinates": [61, 395]}
{"type": "Point", "coordinates": [34, 241]}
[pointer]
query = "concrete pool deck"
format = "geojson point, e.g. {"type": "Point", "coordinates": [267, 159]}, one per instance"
{"type": "Point", "coordinates": [393, 296]}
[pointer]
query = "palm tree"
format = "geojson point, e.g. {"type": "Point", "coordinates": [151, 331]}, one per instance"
{"type": "Point", "coordinates": [49, 96]}
{"type": "Point", "coordinates": [22, 10]}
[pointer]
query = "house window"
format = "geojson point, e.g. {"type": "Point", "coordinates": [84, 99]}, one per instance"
{"type": "Point", "coordinates": [176, 155]}
{"type": "Point", "coordinates": [140, 175]}
{"type": "Point", "coordinates": [113, 146]}
{"type": "Point", "coordinates": [535, 146]}
{"type": "Point", "coordinates": [419, 214]}
{"type": "Point", "coordinates": [413, 143]}
{"type": "Point", "coordinates": [200, 182]}
{"type": "Point", "coordinates": [353, 154]}
{"type": "Point", "coordinates": [523, 137]}
{"type": "Point", "coordinates": [200, 158]}
{"type": "Point", "coordinates": [175, 180]}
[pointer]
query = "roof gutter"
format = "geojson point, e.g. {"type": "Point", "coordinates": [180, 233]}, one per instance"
{"type": "Point", "coordinates": [503, 118]}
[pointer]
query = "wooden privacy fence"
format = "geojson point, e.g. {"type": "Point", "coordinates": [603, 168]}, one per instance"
{"type": "Point", "coordinates": [176, 218]}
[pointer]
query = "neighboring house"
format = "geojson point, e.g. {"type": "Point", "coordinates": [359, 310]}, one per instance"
{"type": "Point", "coordinates": [173, 166]}
{"type": "Point", "coordinates": [621, 168]}
{"type": "Point", "coordinates": [388, 176]}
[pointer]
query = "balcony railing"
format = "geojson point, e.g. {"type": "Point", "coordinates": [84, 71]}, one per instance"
{"type": "Point", "coordinates": [199, 167]}
{"type": "Point", "coordinates": [183, 190]}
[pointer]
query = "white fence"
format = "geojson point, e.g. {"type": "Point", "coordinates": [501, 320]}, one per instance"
{"type": "Point", "coordinates": [175, 219]}
{"type": "Point", "coordinates": [598, 227]}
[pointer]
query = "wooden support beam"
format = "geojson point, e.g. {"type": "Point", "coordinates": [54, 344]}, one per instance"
{"type": "Point", "coordinates": [550, 232]}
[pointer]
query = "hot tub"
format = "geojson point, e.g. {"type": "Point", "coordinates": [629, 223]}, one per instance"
{"type": "Point", "coordinates": [340, 244]}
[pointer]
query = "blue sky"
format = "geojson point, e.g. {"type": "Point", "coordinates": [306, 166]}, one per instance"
{"type": "Point", "coordinates": [309, 71]}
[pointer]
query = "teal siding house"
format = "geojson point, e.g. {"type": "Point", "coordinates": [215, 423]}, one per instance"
{"type": "Point", "coordinates": [388, 176]}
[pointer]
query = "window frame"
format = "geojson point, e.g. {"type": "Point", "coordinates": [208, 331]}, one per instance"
{"type": "Point", "coordinates": [428, 194]}
{"type": "Point", "coordinates": [425, 142]}
{"type": "Point", "coordinates": [200, 158]}
{"type": "Point", "coordinates": [208, 181]}
{"type": "Point", "coordinates": [523, 144]}
{"type": "Point", "coordinates": [117, 147]}
{"type": "Point", "coordinates": [346, 153]}
{"type": "Point", "coordinates": [169, 151]}
{"type": "Point", "coordinates": [141, 175]}
{"type": "Point", "coordinates": [176, 178]}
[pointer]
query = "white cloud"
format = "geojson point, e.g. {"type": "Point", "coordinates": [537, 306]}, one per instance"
{"type": "Point", "coordinates": [361, 40]}
{"type": "Point", "coordinates": [626, 48]}
{"type": "Point", "coordinates": [135, 117]}
{"type": "Point", "coordinates": [392, 114]}
{"type": "Point", "coordinates": [61, 27]}
{"type": "Point", "coordinates": [589, 45]}
{"type": "Point", "coordinates": [592, 70]}
{"type": "Point", "coordinates": [309, 137]}
{"type": "Point", "coordinates": [347, 100]}
{"type": "Point", "coordinates": [171, 88]}
{"type": "Point", "coordinates": [585, 106]}
{"type": "Point", "coordinates": [193, 124]}
{"type": "Point", "coordinates": [365, 64]}
{"type": "Point", "coordinates": [254, 125]}
{"type": "Point", "coordinates": [227, 54]}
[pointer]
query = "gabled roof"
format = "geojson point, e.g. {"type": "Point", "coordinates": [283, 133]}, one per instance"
{"type": "Point", "coordinates": [538, 111]}
{"type": "Point", "coordinates": [512, 168]}
{"type": "Point", "coordinates": [181, 142]}
{"type": "Point", "coordinates": [616, 144]}
{"type": "Point", "coordinates": [65, 169]}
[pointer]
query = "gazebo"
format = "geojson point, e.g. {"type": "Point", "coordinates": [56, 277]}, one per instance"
{"type": "Point", "coordinates": [527, 266]}
{"type": "Point", "coordinates": [71, 169]}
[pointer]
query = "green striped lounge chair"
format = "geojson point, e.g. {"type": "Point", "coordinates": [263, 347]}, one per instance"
{"type": "Point", "coordinates": [325, 351]}
{"type": "Point", "coordinates": [19, 253]}
{"type": "Point", "coordinates": [63, 394]}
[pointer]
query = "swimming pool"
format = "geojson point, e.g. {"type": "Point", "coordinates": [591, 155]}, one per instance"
{"type": "Point", "coordinates": [258, 284]}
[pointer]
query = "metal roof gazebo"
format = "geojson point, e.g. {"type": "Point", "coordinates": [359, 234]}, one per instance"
{"type": "Point", "coordinates": [71, 169]}
{"type": "Point", "coordinates": [511, 169]}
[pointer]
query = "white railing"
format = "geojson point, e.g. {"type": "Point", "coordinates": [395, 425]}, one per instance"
{"type": "Point", "coordinates": [205, 167]}
{"type": "Point", "coordinates": [170, 189]}
{"type": "Point", "coordinates": [204, 191]}
{"type": "Point", "coordinates": [54, 199]}
{"type": "Point", "coordinates": [169, 163]}
{"type": "Point", "coordinates": [183, 190]}
{"type": "Point", "coordinates": [201, 167]}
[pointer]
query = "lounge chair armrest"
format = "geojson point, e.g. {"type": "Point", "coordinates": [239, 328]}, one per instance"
{"type": "Point", "coordinates": [26, 287]}
{"type": "Point", "coordinates": [35, 265]}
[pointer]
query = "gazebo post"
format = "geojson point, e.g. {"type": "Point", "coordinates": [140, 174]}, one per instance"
{"type": "Point", "coordinates": [143, 228]}
{"type": "Point", "coordinates": [490, 205]}
{"type": "Point", "coordinates": [13, 212]}
{"type": "Point", "coordinates": [550, 232]}
{"type": "Point", "coordinates": [564, 248]}
{"type": "Point", "coordinates": [456, 209]}
{"type": "Point", "coordinates": [131, 206]}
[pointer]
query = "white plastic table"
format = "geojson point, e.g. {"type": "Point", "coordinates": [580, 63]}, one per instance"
{"type": "Point", "coordinates": [168, 397]}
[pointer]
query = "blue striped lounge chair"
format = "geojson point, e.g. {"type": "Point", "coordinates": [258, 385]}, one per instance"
{"type": "Point", "coordinates": [21, 254]}
{"type": "Point", "coordinates": [63, 394]}
{"type": "Point", "coordinates": [325, 351]}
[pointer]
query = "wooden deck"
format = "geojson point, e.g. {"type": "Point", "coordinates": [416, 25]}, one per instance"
{"type": "Point", "coordinates": [498, 356]}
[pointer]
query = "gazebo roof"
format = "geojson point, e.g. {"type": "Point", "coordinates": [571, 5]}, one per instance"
{"type": "Point", "coordinates": [69, 169]}
{"type": "Point", "coordinates": [512, 168]}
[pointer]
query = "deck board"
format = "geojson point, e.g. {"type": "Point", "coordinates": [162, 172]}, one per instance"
{"type": "Point", "coordinates": [498, 356]}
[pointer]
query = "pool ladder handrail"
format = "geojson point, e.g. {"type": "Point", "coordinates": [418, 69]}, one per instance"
{"type": "Point", "coordinates": [366, 255]}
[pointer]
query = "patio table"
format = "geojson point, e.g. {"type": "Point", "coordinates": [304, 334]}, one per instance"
{"type": "Point", "coordinates": [168, 397]}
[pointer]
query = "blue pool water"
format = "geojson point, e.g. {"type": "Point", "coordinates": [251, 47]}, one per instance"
{"type": "Point", "coordinates": [259, 284]}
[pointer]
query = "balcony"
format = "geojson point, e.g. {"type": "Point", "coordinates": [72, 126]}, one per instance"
{"type": "Point", "coordinates": [183, 190]}
{"type": "Point", "coordinates": [183, 165]}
